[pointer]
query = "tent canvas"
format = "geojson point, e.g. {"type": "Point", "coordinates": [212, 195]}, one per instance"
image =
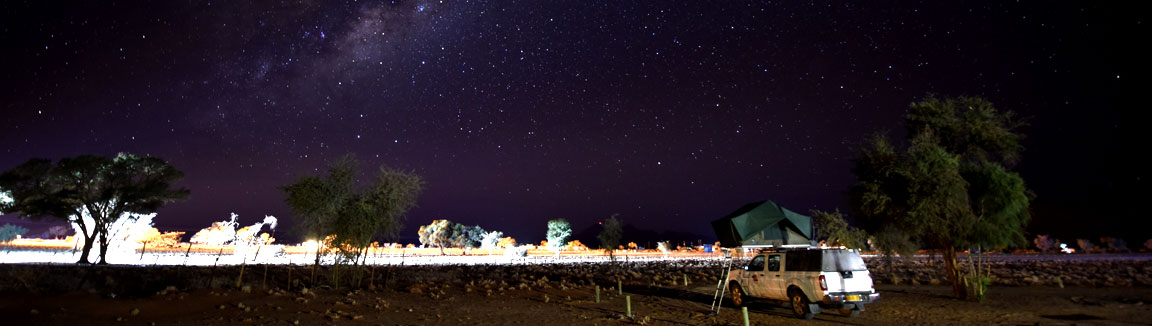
{"type": "Point", "coordinates": [763, 223]}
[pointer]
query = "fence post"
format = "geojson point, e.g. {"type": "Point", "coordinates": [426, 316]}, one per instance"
{"type": "Point", "coordinates": [628, 304]}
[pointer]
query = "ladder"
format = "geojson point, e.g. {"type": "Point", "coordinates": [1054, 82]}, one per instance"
{"type": "Point", "coordinates": [721, 284]}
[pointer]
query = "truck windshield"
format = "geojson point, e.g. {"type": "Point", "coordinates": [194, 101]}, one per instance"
{"type": "Point", "coordinates": [843, 260]}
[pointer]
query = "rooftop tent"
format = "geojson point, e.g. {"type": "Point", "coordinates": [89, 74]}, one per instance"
{"type": "Point", "coordinates": [763, 223]}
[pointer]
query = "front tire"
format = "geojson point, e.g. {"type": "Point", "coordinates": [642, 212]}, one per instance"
{"type": "Point", "coordinates": [738, 296]}
{"type": "Point", "coordinates": [800, 305]}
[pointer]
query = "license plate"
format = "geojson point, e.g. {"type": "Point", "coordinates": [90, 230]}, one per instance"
{"type": "Point", "coordinates": [853, 297]}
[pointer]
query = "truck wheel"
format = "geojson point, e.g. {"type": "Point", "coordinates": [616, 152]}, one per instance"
{"type": "Point", "coordinates": [800, 306]}
{"type": "Point", "coordinates": [737, 294]}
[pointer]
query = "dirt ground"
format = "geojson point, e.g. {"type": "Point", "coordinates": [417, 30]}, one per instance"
{"type": "Point", "coordinates": [651, 305]}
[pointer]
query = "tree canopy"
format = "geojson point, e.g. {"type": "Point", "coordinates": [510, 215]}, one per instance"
{"type": "Point", "coordinates": [610, 236]}
{"type": "Point", "coordinates": [949, 187]}
{"type": "Point", "coordinates": [447, 234]}
{"type": "Point", "coordinates": [348, 213]}
{"type": "Point", "coordinates": [836, 232]}
{"type": "Point", "coordinates": [92, 192]}
{"type": "Point", "coordinates": [558, 232]}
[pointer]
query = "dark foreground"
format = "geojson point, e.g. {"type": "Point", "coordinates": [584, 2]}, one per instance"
{"type": "Point", "coordinates": [510, 295]}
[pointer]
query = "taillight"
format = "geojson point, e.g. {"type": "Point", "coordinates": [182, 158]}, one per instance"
{"type": "Point", "coordinates": [823, 283]}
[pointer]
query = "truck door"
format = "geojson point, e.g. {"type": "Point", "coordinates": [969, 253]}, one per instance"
{"type": "Point", "coordinates": [773, 281]}
{"type": "Point", "coordinates": [753, 277]}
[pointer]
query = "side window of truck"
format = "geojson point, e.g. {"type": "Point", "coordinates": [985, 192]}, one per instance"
{"type": "Point", "coordinates": [774, 263]}
{"type": "Point", "coordinates": [756, 265]}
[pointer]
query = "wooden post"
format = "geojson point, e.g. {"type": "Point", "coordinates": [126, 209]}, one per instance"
{"type": "Point", "coordinates": [289, 276]}
{"type": "Point", "coordinates": [241, 277]}
{"type": "Point", "coordinates": [745, 310]}
{"type": "Point", "coordinates": [628, 304]}
{"type": "Point", "coordinates": [186, 253]}
{"type": "Point", "coordinates": [597, 294]}
{"type": "Point", "coordinates": [619, 287]}
{"type": "Point", "coordinates": [218, 254]}
{"type": "Point", "coordinates": [685, 280]}
{"type": "Point", "coordinates": [264, 282]}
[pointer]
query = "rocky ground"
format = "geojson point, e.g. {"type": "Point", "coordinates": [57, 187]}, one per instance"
{"type": "Point", "coordinates": [1067, 270]}
{"type": "Point", "coordinates": [526, 294]}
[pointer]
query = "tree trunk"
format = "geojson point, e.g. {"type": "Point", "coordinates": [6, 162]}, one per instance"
{"type": "Point", "coordinates": [954, 274]}
{"type": "Point", "coordinates": [103, 248]}
{"type": "Point", "coordinates": [88, 242]}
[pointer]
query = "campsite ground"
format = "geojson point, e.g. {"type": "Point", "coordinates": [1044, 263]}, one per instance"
{"type": "Point", "coordinates": [533, 295]}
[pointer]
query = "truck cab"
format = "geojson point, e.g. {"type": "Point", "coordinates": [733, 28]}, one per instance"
{"type": "Point", "coordinates": [808, 278]}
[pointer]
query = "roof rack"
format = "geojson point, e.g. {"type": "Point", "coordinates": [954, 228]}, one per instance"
{"type": "Point", "coordinates": [775, 248]}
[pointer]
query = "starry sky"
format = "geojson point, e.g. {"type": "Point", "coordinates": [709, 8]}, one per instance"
{"type": "Point", "coordinates": [669, 113]}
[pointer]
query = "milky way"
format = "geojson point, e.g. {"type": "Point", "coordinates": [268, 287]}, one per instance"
{"type": "Point", "coordinates": [670, 113]}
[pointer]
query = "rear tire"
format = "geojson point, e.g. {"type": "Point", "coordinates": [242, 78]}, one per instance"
{"type": "Point", "coordinates": [800, 306]}
{"type": "Point", "coordinates": [738, 296]}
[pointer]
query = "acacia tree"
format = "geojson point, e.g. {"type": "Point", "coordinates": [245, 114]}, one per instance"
{"type": "Point", "coordinates": [558, 232]}
{"type": "Point", "coordinates": [610, 236]}
{"type": "Point", "coordinates": [316, 201]}
{"type": "Point", "coordinates": [835, 230]}
{"type": "Point", "coordinates": [491, 240]}
{"type": "Point", "coordinates": [445, 233]}
{"type": "Point", "coordinates": [949, 189]}
{"type": "Point", "coordinates": [438, 234]}
{"type": "Point", "coordinates": [351, 214]}
{"type": "Point", "coordinates": [91, 192]}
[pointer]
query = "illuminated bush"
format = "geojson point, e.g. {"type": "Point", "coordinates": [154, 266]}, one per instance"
{"type": "Point", "coordinates": [10, 232]}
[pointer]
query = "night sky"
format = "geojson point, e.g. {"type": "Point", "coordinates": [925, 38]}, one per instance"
{"type": "Point", "coordinates": [670, 113]}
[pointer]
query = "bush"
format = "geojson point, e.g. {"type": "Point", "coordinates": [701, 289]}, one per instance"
{"type": "Point", "coordinates": [10, 232]}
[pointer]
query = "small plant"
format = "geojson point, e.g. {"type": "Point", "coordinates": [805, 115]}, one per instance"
{"type": "Point", "coordinates": [10, 232]}
{"type": "Point", "coordinates": [1114, 244]}
{"type": "Point", "coordinates": [977, 285]}
{"type": "Point", "coordinates": [1045, 244]}
{"type": "Point", "coordinates": [1085, 245]}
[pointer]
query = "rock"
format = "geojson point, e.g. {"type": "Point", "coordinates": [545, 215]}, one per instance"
{"type": "Point", "coordinates": [416, 289]}
{"type": "Point", "coordinates": [134, 312]}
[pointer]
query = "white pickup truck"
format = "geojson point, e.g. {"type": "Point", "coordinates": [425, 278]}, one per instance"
{"type": "Point", "coordinates": [808, 278]}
